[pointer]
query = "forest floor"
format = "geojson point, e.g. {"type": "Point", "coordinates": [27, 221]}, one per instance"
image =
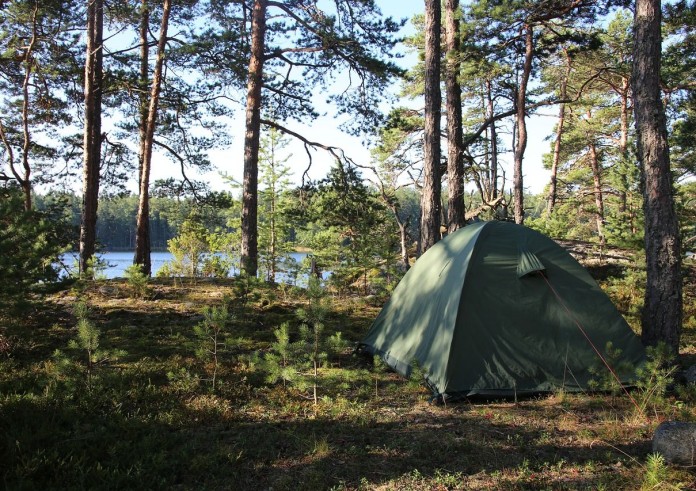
{"type": "Point", "coordinates": [150, 418]}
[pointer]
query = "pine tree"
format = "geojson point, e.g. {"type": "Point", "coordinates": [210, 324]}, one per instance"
{"type": "Point", "coordinates": [274, 226]}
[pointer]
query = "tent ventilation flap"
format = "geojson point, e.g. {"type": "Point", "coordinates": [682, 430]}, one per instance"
{"type": "Point", "coordinates": [528, 264]}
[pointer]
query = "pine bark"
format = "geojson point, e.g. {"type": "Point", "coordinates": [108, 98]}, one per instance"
{"type": "Point", "coordinates": [455, 161]}
{"type": "Point", "coordinates": [623, 143]}
{"type": "Point", "coordinates": [142, 233]}
{"type": "Point", "coordinates": [144, 82]}
{"type": "Point", "coordinates": [24, 180]}
{"type": "Point", "coordinates": [430, 196]}
{"type": "Point", "coordinates": [553, 184]}
{"type": "Point", "coordinates": [597, 191]}
{"type": "Point", "coordinates": [521, 143]}
{"type": "Point", "coordinates": [250, 197]}
{"type": "Point", "coordinates": [92, 132]}
{"type": "Point", "coordinates": [493, 168]}
{"type": "Point", "coordinates": [662, 311]}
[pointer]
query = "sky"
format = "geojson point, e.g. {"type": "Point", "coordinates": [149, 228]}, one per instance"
{"type": "Point", "coordinates": [325, 130]}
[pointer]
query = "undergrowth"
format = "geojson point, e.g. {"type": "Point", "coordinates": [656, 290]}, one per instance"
{"type": "Point", "coordinates": [198, 388]}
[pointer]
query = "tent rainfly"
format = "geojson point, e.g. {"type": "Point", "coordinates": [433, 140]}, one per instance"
{"type": "Point", "coordinates": [499, 309]}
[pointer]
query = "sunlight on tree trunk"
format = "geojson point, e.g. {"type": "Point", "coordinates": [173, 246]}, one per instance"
{"type": "Point", "coordinates": [662, 310]}
{"type": "Point", "coordinates": [430, 198]}
{"type": "Point", "coordinates": [249, 252]}
{"type": "Point", "coordinates": [142, 236]}
{"type": "Point", "coordinates": [455, 161]}
{"type": "Point", "coordinates": [92, 132]}
{"type": "Point", "coordinates": [521, 123]}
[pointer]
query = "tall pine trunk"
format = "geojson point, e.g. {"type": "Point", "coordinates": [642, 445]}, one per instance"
{"type": "Point", "coordinates": [250, 197]}
{"type": "Point", "coordinates": [623, 146]}
{"type": "Point", "coordinates": [493, 168]}
{"type": "Point", "coordinates": [430, 197]}
{"type": "Point", "coordinates": [144, 82]}
{"type": "Point", "coordinates": [142, 233]}
{"type": "Point", "coordinates": [597, 190]}
{"type": "Point", "coordinates": [24, 179]}
{"type": "Point", "coordinates": [662, 311]}
{"type": "Point", "coordinates": [92, 132]}
{"type": "Point", "coordinates": [551, 201]}
{"type": "Point", "coordinates": [521, 120]}
{"type": "Point", "coordinates": [455, 161]}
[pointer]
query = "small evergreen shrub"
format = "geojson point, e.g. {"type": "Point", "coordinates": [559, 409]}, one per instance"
{"type": "Point", "coordinates": [211, 334]}
{"type": "Point", "coordinates": [84, 355]}
{"type": "Point", "coordinates": [137, 281]}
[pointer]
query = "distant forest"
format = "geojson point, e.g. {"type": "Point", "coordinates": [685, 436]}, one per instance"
{"type": "Point", "coordinates": [116, 222]}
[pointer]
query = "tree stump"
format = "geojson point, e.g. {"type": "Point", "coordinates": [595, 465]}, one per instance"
{"type": "Point", "coordinates": [676, 442]}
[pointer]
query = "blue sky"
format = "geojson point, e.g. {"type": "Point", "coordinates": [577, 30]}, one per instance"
{"type": "Point", "coordinates": [325, 130]}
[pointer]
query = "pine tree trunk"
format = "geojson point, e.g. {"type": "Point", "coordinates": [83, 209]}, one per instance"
{"type": "Point", "coordinates": [249, 249]}
{"type": "Point", "coordinates": [493, 169]}
{"type": "Point", "coordinates": [597, 191]}
{"type": "Point", "coordinates": [24, 180]}
{"type": "Point", "coordinates": [403, 236]}
{"type": "Point", "coordinates": [430, 197]}
{"type": "Point", "coordinates": [92, 132]}
{"type": "Point", "coordinates": [662, 311]}
{"type": "Point", "coordinates": [144, 82]}
{"type": "Point", "coordinates": [551, 202]}
{"type": "Point", "coordinates": [142, 234]}
{"type": "Point", "coordinates": [455, 162]}
{"type": "Point", "coordinates": [623, 145]}
{"type": "Point", "coordinates": [521, 144]}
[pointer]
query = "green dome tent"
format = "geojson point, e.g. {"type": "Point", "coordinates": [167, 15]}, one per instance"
{"type": "Point", "coordinates": [499, 309]}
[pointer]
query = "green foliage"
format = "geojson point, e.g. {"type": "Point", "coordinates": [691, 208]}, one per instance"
{"type": "Point", "coordinates": [312, 328]}
{"type": "Point", "coordinates": [605, 378]}
{"type": "Point", "coordinates": [298, 362]}
{"type": "Point", "coordinates": [352, 233]}
{"type": "Point", "coordinates": [223, 247]}
{"type": "Point", "coordinates": [274, 204]}
{"type": "Point", "coordinates": [199, 252]}
{"type": "Point", "coordinates": [30, 244]}
{"type": "Point", "coordinates": [654, 377]}
{"type": "Point", "coordinates": [416, 375]}
{"type": "Point", "coordinates": [137, 281]}
{"type": "Point", "coordinates": [182, 380]}
{"type": "Point", "coordinates": [95, 271]}
{"type": "Point", "coordinates": [246, 291]}
{"type": "Point", "coordinates": [188, 249]}
{"type": "Point", "coordinates": [211, 334]}
{"type": "Point", "coordinates": [84, 352]}
{"type": "Point", "coordinates": [627, 291]}
{"type": "Point", "coordinates": [278, 362]}
{"type": "Point", "coordinates": [656, 473]}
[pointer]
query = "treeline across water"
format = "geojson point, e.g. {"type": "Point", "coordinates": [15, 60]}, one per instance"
{"type": "Point", "coordinates": [116, 223]}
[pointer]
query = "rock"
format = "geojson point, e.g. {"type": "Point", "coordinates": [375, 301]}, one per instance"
{"type": "Point", "coordinates": [676, 442]}
{"type": "Point", "coordinates": [689, 375]}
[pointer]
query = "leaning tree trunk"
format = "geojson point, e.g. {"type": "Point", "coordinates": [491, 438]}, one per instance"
{"type": "Point", "coordinates": [597, 192]}
{"type": "Point", "coordinates": [142, 233]}
{"type": "Point", "coordinates": [92, 134]}
{"type": "Point", "coordinates": [430, 197]}
{"type": "Point", "coordinates": [455, 161]}
{"type": "Point", "coordinates": [143, 83]}
{"type": "Point", "coordinates": [662, 311]}
{"type": "Point", "coordinates": [521, 144]}
{"type": "Point", "coordinates": [551, 201]}
{"type": "Point", "coordinates": [24, 179]}
{"type": "Point", "coordinates": [250, 195]}
{"type": "Point", "coordinates": [493, 169]}
{"type": "Point", "coordinates": [623, 145]}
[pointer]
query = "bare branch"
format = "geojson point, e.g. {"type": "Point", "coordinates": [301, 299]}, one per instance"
{"type": "Point", "coordinates": [337, 152]}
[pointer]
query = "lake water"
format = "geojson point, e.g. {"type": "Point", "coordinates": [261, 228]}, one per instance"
{"type": "Point", "coordinates": [117, 262]}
